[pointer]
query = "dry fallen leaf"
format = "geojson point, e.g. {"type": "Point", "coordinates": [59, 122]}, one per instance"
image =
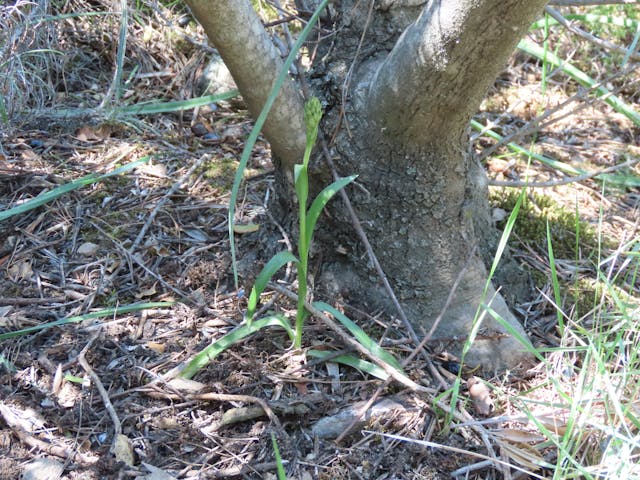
{"type": "Point", "coordinates": [91, 134]}
{"type": "Point", "coordinates": [249, 228]}
{"type": "Point", "coordinates": [123, 450]}
{"type": "Point", "coordinates": [43, 469]}
{"type": "Point", "coordinates": [146, 292]}
{"type": "Point", "coordinates": [157, 170]}
{"type": "Point", "coordinates": [524, 454]}
{"type": "Point", "coordinates": [186, 385]}
{"type": "Point", "coordinates": [156, 347]}
{"type": "Point", "coordinates": [553, 424]}
{"type": "Point", "coordinates": [480, 396]}
{"type": "Point", "coordinates": [20, 270]}
{"type": "Point", "coordinates": [518, 436]}
{"type": "Point", "coordinates": [156, 473]}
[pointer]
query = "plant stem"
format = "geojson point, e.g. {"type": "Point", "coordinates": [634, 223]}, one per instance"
{"type": "Point", "coordinates": [302, 265]}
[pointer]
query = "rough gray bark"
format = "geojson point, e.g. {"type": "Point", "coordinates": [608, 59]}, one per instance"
{"type": "Point", "coordinates": [414, 80]}
{"type": "Point", "coordinates": [425, 203]}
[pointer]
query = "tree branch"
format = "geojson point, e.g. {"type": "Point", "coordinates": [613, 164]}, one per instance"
{"type": "Point", "coordinates": [586, 35]}
{"type": "Point", "coordinates": [564, 3]}
{"type": "Point", "coordinates": [247, 50]}
{"type": "Point", "coordinates": [453, 42]}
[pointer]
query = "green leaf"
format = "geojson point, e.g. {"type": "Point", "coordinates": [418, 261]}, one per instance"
{"type": "Point", "coordinates": [207, 355]}
{"type": "Point", "coordinates": [582, 78]}
{"type": "Point", "coordinates": [360, 335]}
{"type": "Point", "coordinates": [302, 183]}
{"type": "Point", "coordinates": [321, 201]}
{"type": "Point", "coordinates": [276, 453]}
{"type": "Point", "coordinates": [352, 361]}
{"type": "Point", "coordinates": [66, 188]}
{"type": "Point", "coordinates": [268, 271]}
{"type": "Point", "coordinates": [107, 312]}
{"type": "Point", "coordinates": [504, 238]}
{"type": "Point", "coordinates": [176, 106]}
{"type": "Point", "coordinates": [554, 281]}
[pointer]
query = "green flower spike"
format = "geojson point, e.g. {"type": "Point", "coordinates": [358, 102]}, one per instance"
{"type": "Point", "coordinates": [312, 116]}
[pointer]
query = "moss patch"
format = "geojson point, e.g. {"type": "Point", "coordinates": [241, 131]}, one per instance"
{"type": "Point", "coordinates": [220, 173]}
{"type": "Point", "coordinates": [567, 229]}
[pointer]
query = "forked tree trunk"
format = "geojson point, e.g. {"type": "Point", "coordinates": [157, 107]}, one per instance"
{"type": "Point", "coordinates": [416, 72]}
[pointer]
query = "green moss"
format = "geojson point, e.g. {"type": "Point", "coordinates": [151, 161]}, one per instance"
{"type": "Point", "coordinates": [221, 173]}
{"type": "Point", "coordinates": [581, 292]}
{"type": "Point", "coordinates": [564, 225]}
{"type": "Point", "coordinates": [585, 294]}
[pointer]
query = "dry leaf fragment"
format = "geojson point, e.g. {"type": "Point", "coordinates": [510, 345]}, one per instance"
{"type": "Point", "coordinates": [480, 396]}
{"type": "Point", "coordinates": [186, 385]}
{"type": "Point", "coordinates": [524, 454]}
{"type": "Point", "coordinates": [156, 473]}
{"type": "Point", "coordinates": [146, 292]}
{"type": "Point", "coordinates": [157, 170]}
{"type": "Point", "coordinates": [91, 134]}
{"type": "Point", "coordinates": [248, 228]}
{"type": "Point", "coordinates": [553, 424]}
{"type": "Point", "coordinates": [20, 270]}
{"type": "Point", "coordinates": [156, 347]}
{"type": "Point", "coordinates": [518, 436]}
{"type": "Point", "coordinates": [123, 450]}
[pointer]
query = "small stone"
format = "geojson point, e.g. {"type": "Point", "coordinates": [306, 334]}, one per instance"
{"type": "Point", "coordinates": [199, 130]}
{"type": "Point", "coordinates": [87, 249]}
{"type": "Point", "coordinates": [42, 469]}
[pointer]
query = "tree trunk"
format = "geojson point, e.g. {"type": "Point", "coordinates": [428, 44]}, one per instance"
{"type": "Point", "coordinates": [400, 81]}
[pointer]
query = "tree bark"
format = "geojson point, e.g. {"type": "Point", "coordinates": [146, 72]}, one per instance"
{"type": "Point", "coordinates": [425, 198]}
{"type": "Point", "coordinates": [414, 73]}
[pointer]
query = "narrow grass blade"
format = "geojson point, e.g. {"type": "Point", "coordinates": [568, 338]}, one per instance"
{"type": "Point", "coordinates": [177, 106]}
{"type": "Point", "coordinates": [209, 354]}
{"type": "Point", "coordinates": [484, 309]}
{"type": "Point", "coordinates": [268, 271]}
{"type": "Point", "coordinates": [360, 335]}
{"type": "Point", "coordinates": [590, 18]}
{"type": "Point", "coordinates": [65, 16]}
{"type": "Point", "coordinates": [524, 341]}
{"type": "Point", "coordinates": [4, 116]}
{"type": "Point", "coordinates": [506, 234]}
{"type": "Point", "coordinates": [107, 312]}
{"type": "Point", "coordinates": [351, 361]}
{"type": "Point", "coordinates": [321, 201]}
{"type": "Point", "coordinates": [614, 179]}
{"type": "Point", "coordinates": [122, 49]}
{"type": "Point", "coordinates": [253, 136]}
{"type": "Point", "coordinates": [563, 167]}
{"type": "Point", "coordinates": [554, 281]}
{"type": "Point", "coordinates": [276, 453]}
{"type": "Point", "coordinates": [30, 53]}
{"type": "Point", "coordinates": [62, 189]}
{"type": "Point", "coordinates": [632, 48]}
{"type": "Point", "coordinates": [582, 78]}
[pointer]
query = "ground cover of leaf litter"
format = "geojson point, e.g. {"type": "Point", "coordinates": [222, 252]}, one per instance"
{"type": "Point", "coordinates": [96, 248]}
